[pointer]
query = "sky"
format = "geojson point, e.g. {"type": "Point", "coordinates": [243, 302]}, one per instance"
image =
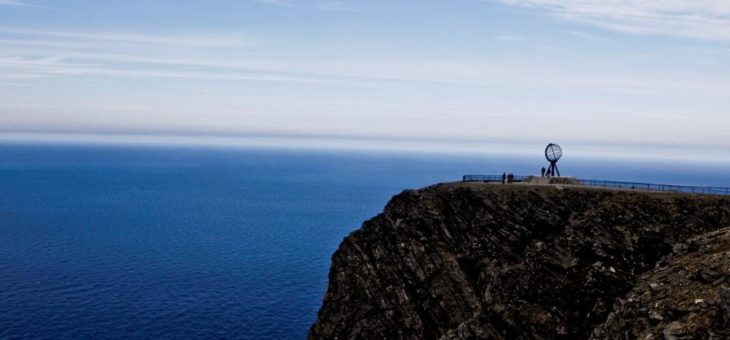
{"type": "Point", "coordinates": [628, 73]}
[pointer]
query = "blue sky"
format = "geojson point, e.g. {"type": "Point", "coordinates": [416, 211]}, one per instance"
{"type": "Point", "coordinates": [586, 72]}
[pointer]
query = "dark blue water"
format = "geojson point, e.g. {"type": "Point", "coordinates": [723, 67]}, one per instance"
{"type": "Point", "coordinates": [112, 242]}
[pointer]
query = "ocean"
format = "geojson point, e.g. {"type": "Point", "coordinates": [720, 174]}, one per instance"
{"type": "Point", "coordinates": [180, 242]}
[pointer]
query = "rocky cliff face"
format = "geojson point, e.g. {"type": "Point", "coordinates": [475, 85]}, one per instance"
{"type": "Point", "coordinates": [686, 295]}
{"type": "Point", "coordinates": [518, 262]}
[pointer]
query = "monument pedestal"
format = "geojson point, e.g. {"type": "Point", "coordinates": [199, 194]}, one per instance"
{"type": "Point", "coordinates": [537, 180]}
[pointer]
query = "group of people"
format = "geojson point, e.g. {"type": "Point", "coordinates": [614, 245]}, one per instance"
{"type": "Point", "coordinates": [547, 173]}
{"type": "Point", "coordinates": [510, 178]}
{"type": "Point", "coordinates": [507, 178]}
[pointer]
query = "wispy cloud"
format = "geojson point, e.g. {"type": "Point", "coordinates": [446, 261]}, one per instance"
{"type": "Point", "coordinates": [285, 3]}
{"type": "Point", "coordinates": [259, 71]}
{"type": "Point", "coordinates": [586, 36]}
{"type": "Point", "coordinates": [188, 40]}
{"type": "Point", "coordinates": [21, 3]}
{"type": "Point", "coordinates": [338, 6]}
{"type": "Point", "coordinates": [11, 3]}
{"type": "Point", "coordinates": [703, 19]}
{"type": "Point", "coordinates": [510, 38]}
{"type": "Point", "coordinates": [56, 54]}
{"type": "Point", "coordinates": [325, 5]}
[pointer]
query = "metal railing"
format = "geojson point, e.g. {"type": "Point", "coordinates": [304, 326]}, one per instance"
{"type": "Point", "coordinates": [655, 187]}
{"type": "Point", "coordinates": [707, 190]}
{"type": "Point", "coordinates": [490, 178]}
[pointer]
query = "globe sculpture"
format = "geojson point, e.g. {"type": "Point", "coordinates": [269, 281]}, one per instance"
{"type": "Point", "coordinates": [553, 152]}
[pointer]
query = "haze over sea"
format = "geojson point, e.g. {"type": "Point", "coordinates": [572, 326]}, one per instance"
{"type": "Point", "coordinates": [183, 242]}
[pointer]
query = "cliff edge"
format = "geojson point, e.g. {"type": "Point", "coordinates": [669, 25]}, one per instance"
{"type": "Point", "coordinates": [457, 261]}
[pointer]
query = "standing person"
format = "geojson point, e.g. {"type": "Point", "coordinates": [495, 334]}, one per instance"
{"type": "Point", "coordinates": [504, 177]}
{"type": "Point", "coordinates": [542, 172]}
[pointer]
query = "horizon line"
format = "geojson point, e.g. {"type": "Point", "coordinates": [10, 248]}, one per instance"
{"type": "Point", "coordinates": [581, 149]}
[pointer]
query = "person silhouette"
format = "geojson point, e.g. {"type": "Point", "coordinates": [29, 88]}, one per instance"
{"type": "Point", "coordinates": [542, 172]}
{"type": "Point", "coordinates": [504, 177]}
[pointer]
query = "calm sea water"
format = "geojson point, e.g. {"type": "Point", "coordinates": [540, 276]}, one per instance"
{"type": "Point", "coordinates": [115, 242]}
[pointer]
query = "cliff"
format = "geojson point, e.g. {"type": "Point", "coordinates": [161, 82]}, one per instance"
{"type": "Point", "coordinates": [460, 261]}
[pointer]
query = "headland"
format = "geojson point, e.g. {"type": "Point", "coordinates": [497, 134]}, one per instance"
{"type": "Point", "coordinates": [475, 260]}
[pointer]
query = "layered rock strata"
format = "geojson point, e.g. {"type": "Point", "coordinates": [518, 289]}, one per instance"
{"type": "Point", "coordinates": [458, 261]}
